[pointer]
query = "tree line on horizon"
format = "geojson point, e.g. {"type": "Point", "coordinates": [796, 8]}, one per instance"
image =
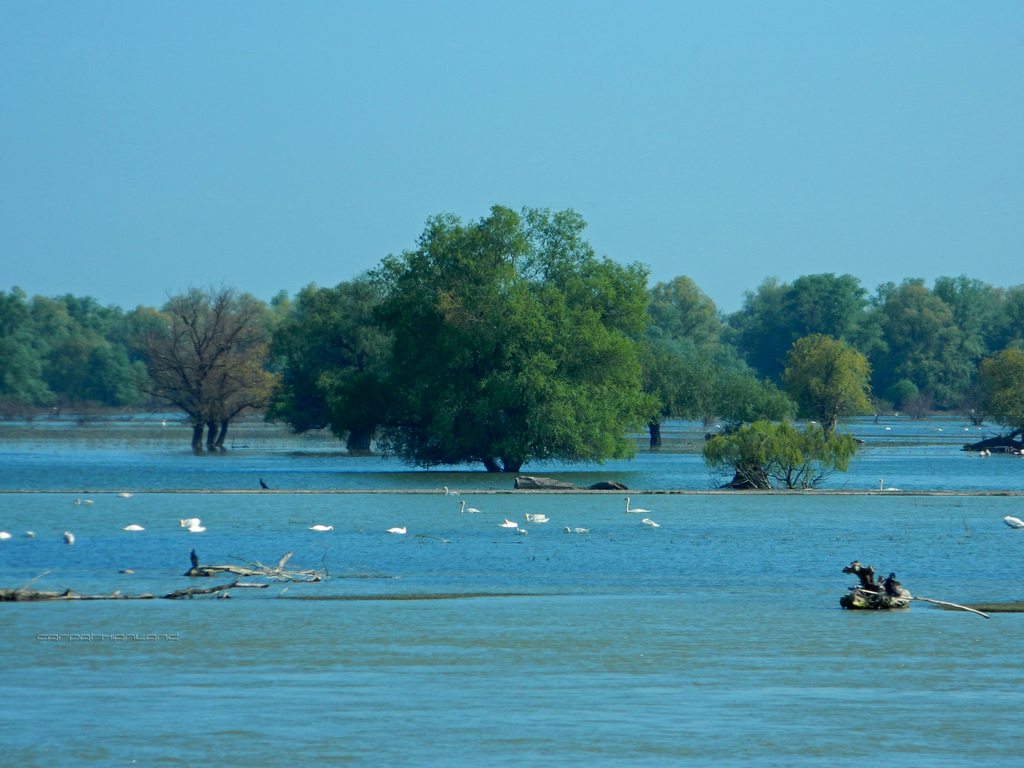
{"type": "Point", "coordinates": [507, 339]}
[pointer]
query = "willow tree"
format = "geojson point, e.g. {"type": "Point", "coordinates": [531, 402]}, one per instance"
{"type": "Point", "coordinates": [511, 342]}
{"type": "Point", "coordinates": [205, 354]}
{"type": "Point", "coordinates": [769, 454]}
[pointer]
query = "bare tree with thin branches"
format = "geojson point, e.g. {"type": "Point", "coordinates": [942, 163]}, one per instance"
{"type": "Point", "coordinates": [207, 358]}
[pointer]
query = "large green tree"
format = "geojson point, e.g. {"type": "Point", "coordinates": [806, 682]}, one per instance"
{"type": "Point", "coordinates": [777, 314]}
{"type": "Point", "coordinates": [828, 378]}
{"type": "Point", "coordinates": [512, 341]}
{"type": "Point", "coordinates": [1002, 379]}
{"type": "Point", "coordinates": [921, 343]}
{"type": "Point", "coordinates": [21, 364]}
{"type": "Point", "coordinates": [334, 357]}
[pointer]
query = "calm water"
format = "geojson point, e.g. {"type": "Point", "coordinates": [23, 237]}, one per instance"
{"type": "Point", "coordinates": [714, 639]}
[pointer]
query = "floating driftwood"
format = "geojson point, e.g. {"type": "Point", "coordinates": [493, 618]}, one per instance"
{"type": "Point", "coordinates": [885, 595]}
{"type": "Point", "coordinates": [25, 595]}
{"type": "Point", "coordinates": [257, 569]}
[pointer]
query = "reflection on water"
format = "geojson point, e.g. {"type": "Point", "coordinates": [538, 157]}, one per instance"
{"type": "Point", "coordinates": [714, 639]}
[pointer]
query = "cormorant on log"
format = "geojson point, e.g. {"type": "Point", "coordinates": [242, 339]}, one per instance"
{"type": "Point", "coordinates": [263, 485]}
{"type": "Point", "coordinates": [892, 587]}
{"type": "Point", "coordinates": [195, 559]}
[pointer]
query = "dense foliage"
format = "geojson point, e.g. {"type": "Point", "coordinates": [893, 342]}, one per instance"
{"type": "Point", "coordinates": [828, 379]}
{"type": "Point", "coordinates": [65, 353]}
{"type": "Point", "coordinates": [769, 454]}
{"type": "Point", "coordinates": [334, 359]}
{"type": "Point", "coordinates": [507, 339]}
{"type": "Point", "coordinates": [511, 341]}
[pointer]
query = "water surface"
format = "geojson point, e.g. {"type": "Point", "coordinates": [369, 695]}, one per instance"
{"type": "Point", "coordinates": [715, 639]}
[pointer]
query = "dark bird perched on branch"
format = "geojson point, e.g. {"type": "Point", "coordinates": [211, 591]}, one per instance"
{"type": "Point", "coordinates": [263, 485]}
{"type": "Point", "coordinates": [892, 587]}
{"type": "Point", "coordinates": [195, 559]}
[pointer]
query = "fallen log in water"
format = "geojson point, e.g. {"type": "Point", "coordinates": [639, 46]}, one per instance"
{"type": "Point", "coordinates": [23, 595]}
{"type": "Point", "coordinates": [885, 595]}
{"type": "Point", "coordinates": [257, 569]}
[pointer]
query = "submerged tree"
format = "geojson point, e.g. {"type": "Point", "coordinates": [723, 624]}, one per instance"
{"type": "Point", "coordinates": [334, 357]}
{"type": "Point", "coordinates": [1002, 380]}
{"type": "Point", "coordinates": [206, 357]}
{"type": "Point", "coordinates": [828, 379]}
{"type": "Point", "coordinates": [512, 341]}
{"type": "Point", "coordinates": [768, 454]}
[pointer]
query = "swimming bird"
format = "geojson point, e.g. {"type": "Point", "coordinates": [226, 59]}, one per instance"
{"type": "Point", "coordinates": [30, 534]}
{"type": "Point", "coordinates": [86, 502]}
{"type": "Point", "coordinates": [4, 535]}
{"type": "Point", "coordinates": [69, 538]}
{"type": "Point", "coordinates": [508, 524]}
{"type": "Point", "coordinates": [641, 511]}
{"type": "Point", "coordinates": [263, 485]}
{"type": "Point", "coordinates": [397, 530]}
{"type": "Point", "coordinates": [197, 528]}
{"type": "Point", "coordinates": [577, 530]}
{"type": "Point", "coordinates": [522, 531]}
{"type": "Point", "coordinates": [188, 522]}
{"type": "Point", "coordinates": [122, 495]}
{"type": "Point", "coordinates": [133, 527]}
{"type": "Point", "coordinates": [321, 528]}
{"type": "Point", "coordinates": [885, 489]}
{"type": "Point", "coordinates": [450, 493]}
{"type": "Point", "coordinates": [650, 523]}
{"type": "Point", "coordinates": [536, 518]}
{"type": "Point", "coordinates": [464, 509]}
{"type": "Point", "coordinates": [1013, 522]}
{"type": "Point", "coordinates": [194, 557]}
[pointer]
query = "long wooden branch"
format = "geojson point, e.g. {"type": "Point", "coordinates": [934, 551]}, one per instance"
{"type": "Point", "coordinates": [951, 605]}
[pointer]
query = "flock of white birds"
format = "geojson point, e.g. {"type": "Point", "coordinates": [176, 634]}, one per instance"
{"type": "Point", "coordinates": [194, 524]}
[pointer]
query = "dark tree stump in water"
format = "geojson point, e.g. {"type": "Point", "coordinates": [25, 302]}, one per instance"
{"type": "Point", "coordinates": [871, 594]}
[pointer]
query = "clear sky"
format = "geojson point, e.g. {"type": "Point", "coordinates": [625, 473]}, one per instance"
{"type": "Point", "coordinates": [147, 147]}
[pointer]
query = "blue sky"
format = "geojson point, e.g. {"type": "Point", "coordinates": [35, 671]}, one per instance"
{"type": "Point", "coordinates": [148, 147]}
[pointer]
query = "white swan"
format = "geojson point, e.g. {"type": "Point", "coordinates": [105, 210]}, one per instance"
{"type": "Point", "coordinates": [577, 530]}
{"type": "Point", "coordinates": [1013, 522]}
{"type": "Point", "coordinates": [536, 518]}
{"type": "Point", "coordinates": [321, 528]}
{"type": "Point", "coordinates": [86, 502]}
{"type": "Point", "coordinates": [641, 511]}
{"type": "Point", "coordinates": [30, 534]}
{"type": "Point", "coordinates": [125, 495]}
{"type": "Point", "coordinates": [133, 527]}
{"type": "Point", "coordinates": [508, 524]}
{"type": "Point", "coordinates": [188, 522]}
{"type": "Point", "coordinates": [464, 509]}
{"type": "Point", "coordinates": [397, 530]}
{"type": "Point", "coordinates": [450, 493]}
{"type": "Point", "coordinates": [4, 535]}
{"type": "Point", "coordinates": [521, 531]}
{"type": "Point", "coordinates": [885, 489]}
{"type": "Point", "coordinates": [197, 528]}
{"type": "Point", "coordinates": [650, 523]}
{"type": "Point", "coordinates": [69, 538]}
